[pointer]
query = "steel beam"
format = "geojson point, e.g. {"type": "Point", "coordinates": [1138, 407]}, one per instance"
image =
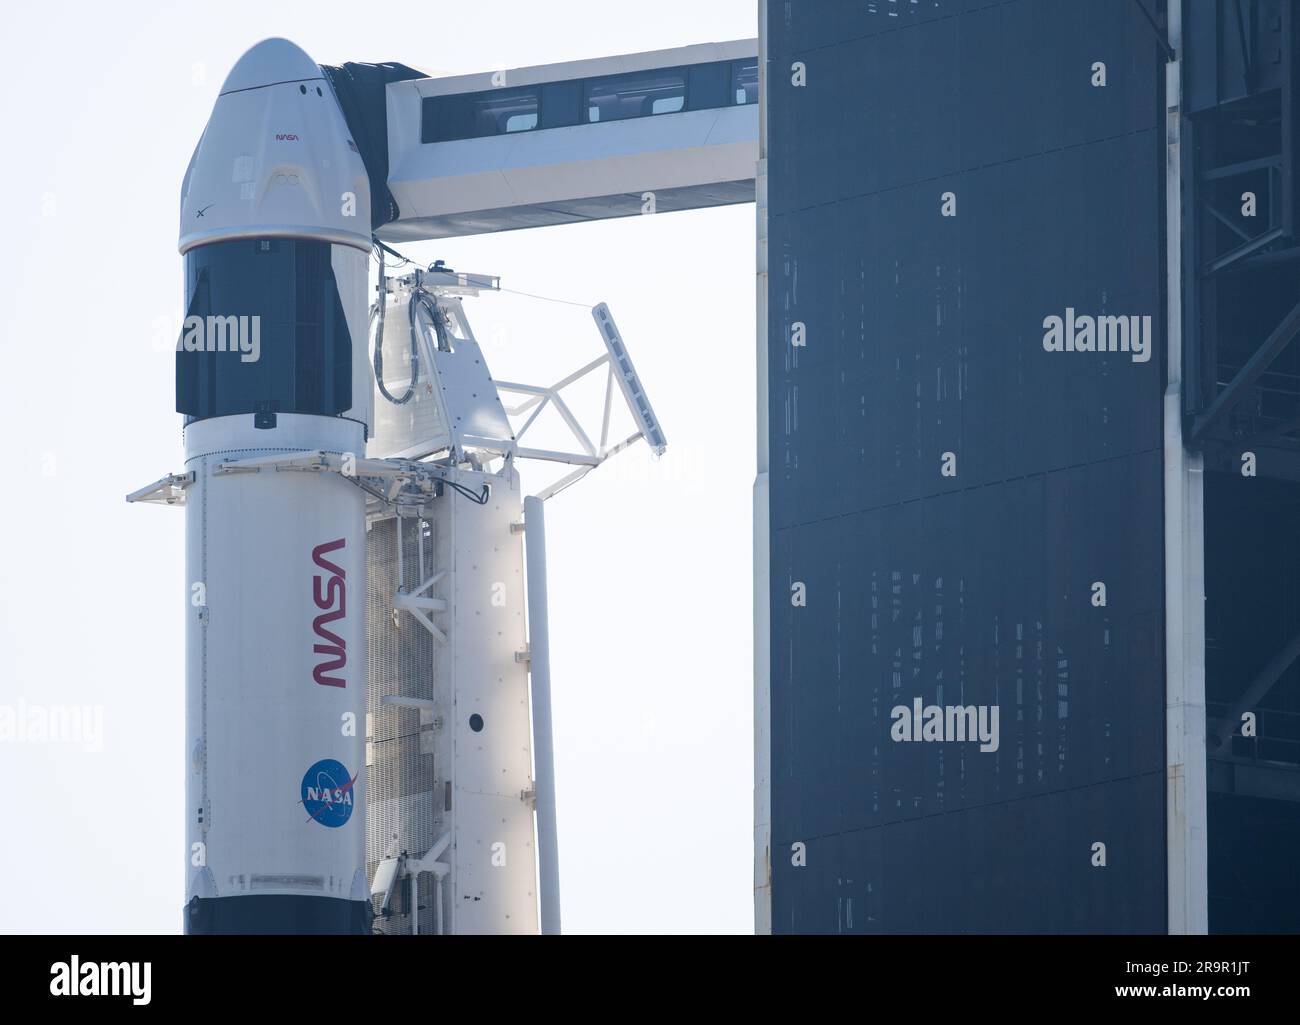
{"type": "Point", "coordinates": [1242, 251]}
{"type": "Point", "coordinates": [1255, 693]}
{"type": "Point", "coordinates": [1246, 377]}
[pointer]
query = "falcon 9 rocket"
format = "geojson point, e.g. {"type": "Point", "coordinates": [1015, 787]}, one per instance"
{"type": "Point", "coordinates": [275, 235]}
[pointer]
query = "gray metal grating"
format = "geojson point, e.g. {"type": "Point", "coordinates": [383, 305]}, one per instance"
{"type": "Point", "coordinates": [401, 812]}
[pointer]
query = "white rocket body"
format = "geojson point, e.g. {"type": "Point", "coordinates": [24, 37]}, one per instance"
{"type": "Point", "coordinates": [276, 235]}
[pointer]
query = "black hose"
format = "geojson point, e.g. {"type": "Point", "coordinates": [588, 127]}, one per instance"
{"type": "Point", "coordinates": [421, 300]}
{"type": "Point", "coordinates": [379, 345]}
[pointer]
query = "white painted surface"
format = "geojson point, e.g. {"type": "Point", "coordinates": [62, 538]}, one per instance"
{"type": "Point", "coordinates": [256, 718]}
{"type": "Point", "coordinates": [1185, 769]}
{"type": "Point", "coordinates": [539, 666]}
{"type": "Point", "coordinates": [533, 169]}
{"type": "Point", "coordinates": [546, 176]}
{"type": "Point", "coordinates": [274, 158]}
{"type": "Point", "coordinates": [493, 889]}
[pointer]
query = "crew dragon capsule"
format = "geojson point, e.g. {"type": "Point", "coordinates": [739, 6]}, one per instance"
{"type": "Point", "coordinates": [275, 233]}
{"type": "Point", "coordinates": [318, 527]}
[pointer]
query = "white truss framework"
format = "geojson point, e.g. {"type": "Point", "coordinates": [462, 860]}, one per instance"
{"type": "Point", "coordinates": [619, 371]}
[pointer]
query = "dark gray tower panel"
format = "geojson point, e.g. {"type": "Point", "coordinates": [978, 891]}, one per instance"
{"type": "Point", "coordinates": [924, 335]}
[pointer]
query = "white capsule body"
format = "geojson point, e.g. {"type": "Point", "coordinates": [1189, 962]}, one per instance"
{"type": "Point", "coordinates": [276, 675]}
{"type": "Point", "coordinates": [272, 363]}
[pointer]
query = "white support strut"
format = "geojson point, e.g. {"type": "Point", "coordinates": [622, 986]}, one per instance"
{"type": "Point", "coordinates": [539, 668]}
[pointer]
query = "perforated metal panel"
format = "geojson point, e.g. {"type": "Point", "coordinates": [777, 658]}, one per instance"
{"type": "Point", "coordinates": [458, 771]}
{"type": "Point", "coordinates": [404, 812]}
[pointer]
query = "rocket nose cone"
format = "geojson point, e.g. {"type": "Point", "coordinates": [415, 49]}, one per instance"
{"type": "Point", "coordinates": [268, 63]}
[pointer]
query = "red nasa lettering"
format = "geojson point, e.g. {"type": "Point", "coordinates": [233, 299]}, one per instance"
{"type": "Point", "coordinates": [335, 589]}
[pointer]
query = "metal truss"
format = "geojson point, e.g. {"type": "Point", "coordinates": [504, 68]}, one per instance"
{"type": "Point", "coordinates": [618, 371]}
{"type": "Point", "coordinates": [1241, 177]}
{"type": "Point", "coordinates": [1240, 111]}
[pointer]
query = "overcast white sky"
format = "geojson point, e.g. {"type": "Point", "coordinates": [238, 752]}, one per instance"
{"type": "Point", "coordinates": [649, 562]}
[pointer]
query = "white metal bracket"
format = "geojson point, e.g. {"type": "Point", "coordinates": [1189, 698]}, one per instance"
{"type": "Point", "coordinates": [396, 487]}
{"type": "Point", "coordinates": [419, 603]}
{"type": "Point", "coordinates": [169, 490]}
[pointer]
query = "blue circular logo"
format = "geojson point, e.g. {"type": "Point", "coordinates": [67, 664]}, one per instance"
{"type": "Point", "coordinates": [328, 793]}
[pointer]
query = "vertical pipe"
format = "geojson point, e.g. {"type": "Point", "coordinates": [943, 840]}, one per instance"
{"type": "Point", "coordinates": [401, 569]}
{"type": "Point", "coordinates": [539, 665]}
{"type": "Point", "coordinates": [1185, 770]}
{"type": "Point", "coordinates": [762, 547]}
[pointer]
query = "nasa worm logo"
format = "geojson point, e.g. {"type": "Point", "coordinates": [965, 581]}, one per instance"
{"type": "Point", "coordinates": [335, 590]}
{"type": "Point", "coordinates": [327, 793]}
